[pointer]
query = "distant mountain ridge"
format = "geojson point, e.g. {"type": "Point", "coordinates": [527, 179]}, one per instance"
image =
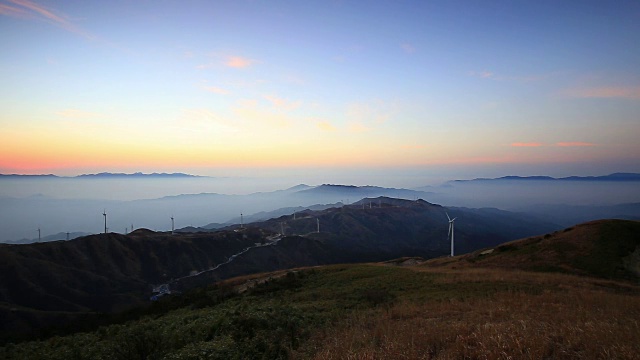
{"type": "Point", "coordinates": [610, 177]}
{"type": "Point", "coordinates": [53, 237]}
{"type": "Point", "coordinates": [105, 175]}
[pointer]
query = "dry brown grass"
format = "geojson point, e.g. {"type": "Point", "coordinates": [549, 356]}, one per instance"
{"type": "Point", "coordinates": [577, 319]}
{"type": "Point", "coordinates": [544, 279]}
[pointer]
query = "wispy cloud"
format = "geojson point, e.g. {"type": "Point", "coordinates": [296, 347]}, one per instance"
{"type": "Point", "coordinates": [236, 62]}
{"type": "Point", "coordinates": [282, 104]}
{"type": "Point", "coordinates": [485, 74]}
{"type": "Point", "coordinates": [376, 112]}
{"type": "Point", "coordinates": [247, 103]}
{"type": "Point", "coordinates": [239, 62]}
{"type": "Point", "coordinates": [558, 144]}
{"type": "Point", "coordinates": [527, 144]}
{"type": "Point", "coordinates": [408, 48]}
{"type": "Point", "coordinates": [263, 119]}
{"type": "Point", "coordinates": [26, 8]}
{"type": "Point", "coordinates": [12, 11]}
{"type": "Point", "coordinates": [78, 114]}
{"type": "Point", "coordinates": [358, 127]}
{"type": "Point", "coordinates": [216, 90]}
{"type": "Point", "coordinates": [200, 118]}
{"type": "Point", "coordinates": [574, 144]}
{"type": "Point", "coordinates": [625, 92]}
{"type": "Point", "coordinates": [325, 126]}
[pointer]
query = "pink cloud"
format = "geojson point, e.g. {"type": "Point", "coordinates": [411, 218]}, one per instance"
{"type": "Point", "coordinates": [37, 10]}
{"type": "Point", "coordinates": [238, 62]}
{"type": "Point", "coordinates": [12, 11]}
{"type": "Point", "coordinates": [531, 144]}
{"type": "Point", "coordinates": [574, 144]}
{"type": "Point", "coordinates": [625, 92]}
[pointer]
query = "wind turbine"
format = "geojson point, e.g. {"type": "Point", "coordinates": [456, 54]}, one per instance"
{"type": "Point", "coordinates": [38, 233]}
{"type": "Point", "coordinates": [172, 228]}
{"type": "Point", "coordinates": [318, 222]}
{"type": "Point", "coordinates": [451, 225]}
{"type": "Point", "coordinates": [104, 213]}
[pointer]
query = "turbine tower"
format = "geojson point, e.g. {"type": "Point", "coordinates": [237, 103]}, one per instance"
{"type": "Point", "coordinates": [104, 213]}
{"type": "Point", "coordinates": [318, 222]}
{"type": "Point", "coordinates": [241, 222]}
{"type": "Point", "coordinates": [38, 233]}
{"type": "Point", "coordinates": [451, 225]}
{"type": "Point", "coordinates": [172, 228]}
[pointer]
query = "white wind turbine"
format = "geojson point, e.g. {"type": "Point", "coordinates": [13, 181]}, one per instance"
{"type": "Point", "coordinates": [451, 225]}
{"type": "Point", "coordinates": [104, 213]}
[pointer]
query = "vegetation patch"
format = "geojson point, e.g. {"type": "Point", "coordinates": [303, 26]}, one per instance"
{"type": "Point", "coordinates": [616, 240]}
{"type": "Point", "coordinates": [365, 311]}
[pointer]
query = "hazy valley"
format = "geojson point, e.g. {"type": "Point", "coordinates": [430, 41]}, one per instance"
{"type": "Point", "coordinates": [61, 205]}
{"type": "Point", "coordinates": [270, 282]}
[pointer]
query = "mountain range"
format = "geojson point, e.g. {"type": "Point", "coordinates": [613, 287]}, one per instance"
{"type": "Point", "coordinates": [104, 175]}
{"type": "Point", "coordinates": [571, 293]}
{"type": "Point", "coordinates": [610, 177]}
{"type": "Point", "coordinates": [46, 283]}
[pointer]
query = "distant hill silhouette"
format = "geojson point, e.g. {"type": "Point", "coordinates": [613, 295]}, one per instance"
{"type": "Point", "coordinates": [53, 237]}
{"type": "Point", "coordinates": [104, 175]}
{"type": "Point", "coordinates": [136, 175]}
{"type": "Point", "coordinates": [610, 177]}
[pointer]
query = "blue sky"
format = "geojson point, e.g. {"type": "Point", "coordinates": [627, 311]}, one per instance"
{"type": "Point", "coordinates": [240, 87]}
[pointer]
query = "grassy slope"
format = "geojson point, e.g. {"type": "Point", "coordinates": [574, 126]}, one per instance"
{"type": "Point", "coordinates": [603, 248]}
{"type": "Point", "coordinates": [442, 310]}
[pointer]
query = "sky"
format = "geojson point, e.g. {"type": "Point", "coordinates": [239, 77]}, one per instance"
{"type": "Point", "coordinates": [266, 88]}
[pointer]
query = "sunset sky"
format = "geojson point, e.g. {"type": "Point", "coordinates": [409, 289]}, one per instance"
{"type": "Point", "coordinates": [249, 87]}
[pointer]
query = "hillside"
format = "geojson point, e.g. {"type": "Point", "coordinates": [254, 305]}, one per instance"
{"type": "Point", "coordinates": [604, 248]}
{"type": "Point", "coordinates": [375, 229]}
{"type": "Point", "coordinates": [491, 307]}
{"type": "Point", "coordinates": [46, 283]}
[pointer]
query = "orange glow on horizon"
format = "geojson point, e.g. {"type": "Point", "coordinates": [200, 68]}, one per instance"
{"type": "Point", "coordinates": [574, 144]}
{"type": "Point", "coordinates": [530, 144]}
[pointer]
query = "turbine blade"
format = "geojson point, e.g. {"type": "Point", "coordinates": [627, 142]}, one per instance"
{"type": "Point", "coordinates": [448, 216]}
{"type": "Point", "coordinates": [449, 232]}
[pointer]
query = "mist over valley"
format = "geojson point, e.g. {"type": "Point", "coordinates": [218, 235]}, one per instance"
{"type": "Point", "coordinates": [61, 205]}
